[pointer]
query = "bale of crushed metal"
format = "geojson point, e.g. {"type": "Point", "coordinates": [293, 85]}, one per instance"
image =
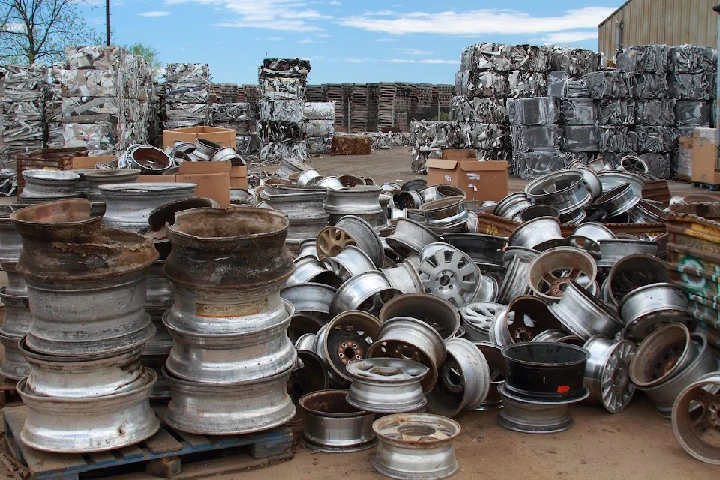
{"type": "Point", "coordinates": [616, 111]}
{"type": "Point", "coordinates": [483, 136]}
{"type": "Point", "coordinates": [617, 139]}
{"type": "Point", "coordinates": [522, 84]}
{"type": "Point", "coordinates": [692, 113]}
{"type": "Point", "coordinates": [574, 61]}
{"type": "Point", "coordinates": [691, 59]}
{"type": "Point", "coordinates": [610, 84]}
{"type": "Point", "coordinates": [556, 82]}
{"type": "Point", "coordinates": [536, 137]}
{"type": "Point", "coordinates": [689, 86]}
{"type": "Point", "coordinates": [659, 164]}
{"type": "Point", "coordinates": [655, 112]}
{"type": "Point", "coordinates": [351, 145]}
{"type": "Point", "coordinates": [580, 138]}
{"type": "Point", "coordinates": [481, 110]}
{"type": "Point", "coordinates": [655, 139]}
{"type": "Point", "coordinates": [579, 111]}
{"type": "Point", "coordinates": [533, 111]}
{"type": "Point", "coordinates": [501, 57]}
{"type": "Point", "coordinates": [531, 165]}
{"type": "Point", "coordinates": [644, 58]}
{"type": "Point", "coordinates": [649, 86]}
{"type": "Point", "coordinates": [483, 84]}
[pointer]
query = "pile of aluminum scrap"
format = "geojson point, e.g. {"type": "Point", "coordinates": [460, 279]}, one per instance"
{"type": "Point", "coordinates": [644, 59]}
{"type": "Point", "coordinates": [80, 361]}
{"type": "Point", "coordinates": [104, 106]}
{"type": "Point", "coordinates": [386, 141]}
{"type": "Point", "coordinates": [242, 118]}
{"type": "Point", "coordinates": [319, 126]}
{"type": "Point", "coordinates": [187, 90]}
{"type": "Point", "coordinates": [22, 107]}
{"type": "Point", "coordinates": [575, 62]}
{"type": "Point", "coordinates": [281, 124]}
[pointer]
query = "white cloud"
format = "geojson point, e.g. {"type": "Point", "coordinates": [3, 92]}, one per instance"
{"type": "Point", "coordinates": [385, 39]}
{"type": "Point", "coordinates": [309, 40]}
{"type": "Point", "coordinates": [412, 51]}
{"type": "Point", "coordinates": [477, 22]}
{"type": "Point", "coordinates": [155, 14]}
{"type": "Point", "coordinates": [334, 3]}
{"type": "Point", "coordinates": [283, 15]}
{"type": "Point", "coordinates": [570, 37]}
{"type": "Point", "coordinates": [270, 39]}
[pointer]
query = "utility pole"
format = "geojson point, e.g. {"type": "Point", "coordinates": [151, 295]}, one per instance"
{"type": "Point", "coordinates": [107, 20]}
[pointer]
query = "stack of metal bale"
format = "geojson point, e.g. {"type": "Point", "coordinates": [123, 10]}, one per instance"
{"type": "Point", "coordinates": [655, 134]}
{"type": "Point", "coordinates": [536, 136]}
{"type": "Point", "coordinates": [319, 127]}
{"type": "Point", "coordinates": [104, 94]}
{"type": "Point", "coordinates": [691, 82]}
{"type": "Point", "coordinates": [281, 129]}
{"type": "Point", "coordinates": [23, 107]}
{"type": "Point", "coordinates": [187, 90]}
{"type": "Point", "coordinates": [613, 93]}
{"type": "Point", "coordinates": [240, 117]}
{"type": "Point", "coordinates": [578, 112]}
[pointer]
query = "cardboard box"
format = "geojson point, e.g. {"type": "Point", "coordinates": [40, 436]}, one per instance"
{"type": "Point", "coordinates": [90, 162]}
{"type": "Point", "coordinates": [221, 136]}
{"type": "Point", "coordinates": [704, 156]}
{"type": "Point", "coordinates": [155, 179]}
{"type": "Point", "coordinates": [239, 177]}
{"type": "Point", "coordinates": [481, 181]}
{"type": "Point", "coordinates": [683, 169]}
{"type": "Point", "coordinates": [188, 168]}
{"type": "Point", "coordinates": [215, 186]}
{"type": "Point", "coordinates": [459, 154]}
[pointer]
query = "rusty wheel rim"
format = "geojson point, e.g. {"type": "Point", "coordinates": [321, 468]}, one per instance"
{"type": "Point", "coordinates": [331, 241]}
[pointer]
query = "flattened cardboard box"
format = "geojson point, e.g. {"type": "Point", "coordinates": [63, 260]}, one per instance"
{"type": "Point", "coordinates": [221, 136]}
{"type": "Point", "coordinates": [90, 162]}
{"type": "Point", "coordinates": [215, 186]}
{"type": "Point", "coordinates": [481, 181]}
{"type": "Point", "coordinates": [239, 177]}
{"type": "Point", "coordinates": [704, 155]}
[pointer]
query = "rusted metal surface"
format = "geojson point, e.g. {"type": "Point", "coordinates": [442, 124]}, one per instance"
{"type": "Point", "coordinates": [695, 429]}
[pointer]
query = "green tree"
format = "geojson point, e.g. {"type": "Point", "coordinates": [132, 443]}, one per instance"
{"type": "Point", "coordinates": [149, 53]}
{"type": "Point", "coordinates": [39, 30]}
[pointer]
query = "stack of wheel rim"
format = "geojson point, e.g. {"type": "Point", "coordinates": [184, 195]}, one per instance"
{"type": "Point", "coordinates": [86, 389]}
{"type": "Point", "coordinates": [228, 322]}
{"type": "Point", "coordinates": [15, 298]}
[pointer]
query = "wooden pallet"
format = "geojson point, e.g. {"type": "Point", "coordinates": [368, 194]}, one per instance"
{"type": "Point", "coordinates": [8, 392]}
{"type": "Point", "coordinates": [168, 453]}
{"type": "Point", "coordinates": [710, 186]}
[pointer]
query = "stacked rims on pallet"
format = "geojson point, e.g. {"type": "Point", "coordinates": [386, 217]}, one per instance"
{"type": "Point", "coordinates": [231, 357]}
{"type": "Point", "coordinates": [15, 298]}
{"type": "Point", "coordinates": [86, 390]}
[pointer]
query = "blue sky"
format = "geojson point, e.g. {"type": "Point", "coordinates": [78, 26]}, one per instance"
{"type": "Point", "coordinates": [346, 41]}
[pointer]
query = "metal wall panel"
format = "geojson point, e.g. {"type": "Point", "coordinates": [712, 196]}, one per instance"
{"type": "Point", "coordinates": [671, 22]}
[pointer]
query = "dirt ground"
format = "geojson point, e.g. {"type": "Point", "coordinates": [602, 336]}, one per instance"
{"type": "Point", "coordinates": [634, 444]}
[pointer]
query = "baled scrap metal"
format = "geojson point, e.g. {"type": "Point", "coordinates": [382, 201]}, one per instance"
{"type": "Point", "coordinates": [616, 111]}
{"type": "Point", "coordinates": [504, 58]}
{"type": "Point", "coordinates": [483, 136]}
{"type": "Point", "coordinates": [644, 58]}
{"type": "Point", "coordinates": [610, 84]}
{"type": "Point", "coordinates": [523, 84]}
{"type": "Point", "coordinates": [556, 83]}
{"type": "Point", "coordinates": [319, 128]}
{"type": "Point", "coordinates": [93, 58]}
{"type": "Point", "coordinates": [319, 111]}
{"type": "Point", "coordinates": [659, 164]}
{"type": "Point", "coordinates": [276, 151]}
{"type": "Point", "coordinates": [86, 83]}
{"type": "Point", "coordinates": [232, 113]}
{"type": "Point", "coordinates": [531, 165]}
{"type": "Point", "coordinates": [530, 138]}
{"type": "Point", "coordinates": [285, 67]}
{"type": "Point", "coordinates": [581, 138]}
{"type": "Point", "coordinates": [484, 84]}
{"type": "Point", "coordinates": [577, 88]}
{"type": "Point", "coordinates": [655, 112]}
{"type": "Point", "coordinates": [649, 86]}
{"type": "Point", "coordinates": [289, 111]}
{"type": "Point", "coordinates": [319, 145]}
{"type": "Point", "coordinates": [575, 62]}
{"type": "Point", "coordinates": [279, 132]}
{"type": "Point", "coordinates": [655, 139]}
{"type": "Point", "coordinates": [482, 110]}
{"type": "Point", "coordinates": [691, 59]}
{"type": "Point", "coordinates": [617, 139]}
{"type": "Point", "coordinates": [579, 111]}
{"type": "Point", "coordinates": [351, 145]}
{"type": "Point", "coordinates": [435, 134]}
{"type": "Point", "coordinates": [533, 111]}
{"type": "Point", "coordinates": [187, 73]}
{"type": "Point", "coordinates": [96, 137]}
{"type": "Point", "coordinates": [187, 93]}
{"type": "Point", "coordinates": [283, 88]}
{"type": "Point", "coordinates": [27, 110]}
{"type": "Point", "coordinates": [185, 114]}
{"type": "Point", "coordinates": [91, 106]}
{"type": "Point", "coordinates": [692, 113]}
{"type": "Point", "coordinates": [502, 154]}
{"type": "Point", "coordinates": [689, 86]}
